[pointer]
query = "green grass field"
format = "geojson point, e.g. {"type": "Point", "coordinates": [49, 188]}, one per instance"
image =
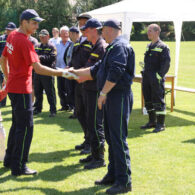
{"type": "Point", "coordinates": [162, 164]}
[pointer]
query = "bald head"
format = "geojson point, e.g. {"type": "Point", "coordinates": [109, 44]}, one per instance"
{"type": "Point", "coordinates": [153, 32]}
{"type": "Point", "coordinates": [155, 27]}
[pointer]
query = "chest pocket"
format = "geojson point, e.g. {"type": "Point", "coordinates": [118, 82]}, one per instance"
{"type": "Point", "coordinates": [94, 57]}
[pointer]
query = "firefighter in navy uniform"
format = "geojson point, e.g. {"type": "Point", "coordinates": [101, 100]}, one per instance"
{"type": "Point", "coordinates": [8, 29]}
{"type": "Point", "coordinates": [114, 74]}
{"type": "Point", "coordinates": [47, 55]}
{"type": "Point", "coordinates": [81, 53]}
{"type": "Point", "coordinates": [94, 115]}
{"type": "Point", "coordinates": [157, 63]}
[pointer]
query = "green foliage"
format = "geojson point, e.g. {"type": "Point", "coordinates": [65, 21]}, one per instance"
{"type": "Point", "coordinates": [87, 5]}
{"type": "Point", "coordinates": [56, 13]}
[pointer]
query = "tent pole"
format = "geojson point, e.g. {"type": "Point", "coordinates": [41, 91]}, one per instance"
{"type": "Point", "coordinates": [178, 30]}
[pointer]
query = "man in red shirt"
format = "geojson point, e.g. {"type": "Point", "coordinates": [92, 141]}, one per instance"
{"type": "Point", "coordinates": [19, 53]}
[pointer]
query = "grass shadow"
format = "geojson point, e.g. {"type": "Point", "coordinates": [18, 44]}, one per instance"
{"type": "Point", "coordinates": [184, 112]}
{"type": "Point", "coordinates": [191, 141]}
{"type": "Point", "coordinates": [137, 119]}
{"type": "Point", "coordinates": [56, 156]}
{"type": "Point", "coordinates": [53, 191]}
{"type": "Point", "coordinates": [61, 120]}
{"type": "Point", "coordinates": [48, 175]}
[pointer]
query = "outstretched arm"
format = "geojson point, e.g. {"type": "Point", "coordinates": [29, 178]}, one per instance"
{"type": "Point", "coordinates": [4, 66]}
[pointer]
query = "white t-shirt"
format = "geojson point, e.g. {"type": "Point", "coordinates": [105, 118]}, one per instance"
{"type": "Point", "coordinates": [55, 41]}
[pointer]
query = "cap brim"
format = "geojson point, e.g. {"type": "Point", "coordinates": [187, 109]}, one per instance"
{"type": "Point", "coordinates": [83, 28]}
{"type": "Point", "coordinates": [42, 35]}
{"type": "Point", "coordinates": [38, 19]}
{"type": "Point", "coordinates": [83, 17]}
{"type": "Point", "coordinates": [10, 28]}
{"type": "Point", "coordinates": [98, 28]}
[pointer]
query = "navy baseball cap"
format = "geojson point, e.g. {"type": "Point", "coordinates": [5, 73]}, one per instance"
{"type": "Point", "coordinates": [113, 23]}
{"type": "Point", "coordinates": [92, 23]}
{"type": "Point", "coordinates": [84, 16]}
{"type": "Point", "coordinates": [10, 26]}
{"type": "Point", "coordinates": [30, 14]}
{"type": "Point", "coordinates": [74, 29]}
{"type": "Point", "coordinates": [43, 32]}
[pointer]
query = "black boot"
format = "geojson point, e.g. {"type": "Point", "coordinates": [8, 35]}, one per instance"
{"type": "Point", "coordinates": [80, 147]}
{"type": "Point", "coordinates": [106, 180]}
{"type": "Point", "coordinates": [152, 120]}
{"type": "Point", "coordinates": [95, 163]}
{"type": "Point", "coordinates": [86, 150]}
{"type": "Point", "coordinates": [119, 189]}
{"type": "Point", "coordinates": [86, 160]}
{"type": "Point", "coordinates": [160, 123]}
{"type": "Point", "coordinates": [98, 159]}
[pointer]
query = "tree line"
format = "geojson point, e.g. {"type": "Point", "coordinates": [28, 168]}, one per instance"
{"type": "Point", "coordinates": [63, 12]}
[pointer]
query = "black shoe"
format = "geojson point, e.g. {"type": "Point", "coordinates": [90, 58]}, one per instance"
{"type": "Point", "coordinates": [72, 116]}
{"type": "Point", "coordinates": [107, 180]}
{"type": "Point", "coordinates": [86, 150]}
{"type": "Point", "coordinates": [26, 171]}
{"type": "Point", "coordinates": [119, 189]}
{"type": "Point", "coordinates": [6, 165]}
{"type": "Point", "coordinates": [86, 160]}
{"type": "Point", "coordinates": [148, 126]}
{"type": "Point", "coordinates": [80, 147]}
{"type": "Point", "coordinates": [35, 112]}
{"type": "Point", "coordinates": [62, 109]}
{"type": "Point", "coordinates": [52, 114]}
{"type": "Point", "coordinates": [159, 128]}
{"type": "Point", "coordinates": [94, 164]}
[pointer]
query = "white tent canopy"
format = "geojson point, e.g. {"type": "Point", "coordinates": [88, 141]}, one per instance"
{"type": "Point", "coordinates": [129, 11]}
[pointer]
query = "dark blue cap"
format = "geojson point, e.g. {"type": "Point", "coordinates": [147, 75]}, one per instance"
{"type": "Point", "coordinates": [84, 16]}
{"type": "Point", "coordinates": [92, 23]}
{"type": "Point", "coordinates": [10, 26]}
{"type": "Point", "coordinates": [74, 29]}
{"type": "Point", "coordinates": [30, 14]}
{"type": "Point", "coordinates": [113, 23]}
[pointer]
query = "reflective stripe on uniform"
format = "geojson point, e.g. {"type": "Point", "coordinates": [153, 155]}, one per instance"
{"type": "Point", "coordinates": [157, 49]}
{"type": "Point", "coordinates": [87, 45]}
{"type": "Point", "coordinates": [95, 55]}
{"type": "Point", "coordinates": [76, 44]}
{"type": "Point", "coordinates": [46, 49]}
{"type": "Point", "coordinates": [161, 112]}
{"type": "Point", "coordinates": [2, 41]}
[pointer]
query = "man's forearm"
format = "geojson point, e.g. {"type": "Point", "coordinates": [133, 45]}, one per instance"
{"type": "Point", "coordinates": [107, 87]}
{"type": "Point", "coordinates": [4, 66]}
{"type": "Point", "coordinates": [43, 70]}
{"type": "Point", "coordinates": [82, 72]}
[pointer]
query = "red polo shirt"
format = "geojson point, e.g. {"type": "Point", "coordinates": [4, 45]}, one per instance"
{"type": "Point", "coordinates": [21, 54]}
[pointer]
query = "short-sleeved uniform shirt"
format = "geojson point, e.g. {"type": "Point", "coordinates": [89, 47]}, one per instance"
{"type": "Point", "coordinates": [21, 54]}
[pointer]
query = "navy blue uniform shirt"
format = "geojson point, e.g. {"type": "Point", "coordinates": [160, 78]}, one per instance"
{"type": "Point", "coordinates": [157, 58]}
{"type": "Point", "coordinates": [117, 65]}
{"type": "Point", "coordinates": [47, 54]}
{"type": "Point", "coordinates": [2, 43]}
{"type": "Point", "coordinates": [97, 54]}
{"type": "Point", "coordinates": [81, 53]}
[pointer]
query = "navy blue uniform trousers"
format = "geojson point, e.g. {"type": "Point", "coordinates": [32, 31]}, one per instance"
{"type": "Point", "coordinates": [80, 109]}
{"type": "Point", "coordinates": [62, 93]}
{"type": "Point", "coordinates": [21, 131]}
{"type": "Point", "coordinates": [116, 117]}
{"type": "Point", "coordinates": [153, 91]}
{"type": "Point", "coordinates": [94, 121]}
{"type": "Point", "coordinates": [44, 82]}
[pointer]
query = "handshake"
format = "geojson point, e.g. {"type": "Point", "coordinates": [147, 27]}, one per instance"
{"type": "Point", "coordinates": [80, 75]}
{"type": "Point", "coordinates": [68, 74]}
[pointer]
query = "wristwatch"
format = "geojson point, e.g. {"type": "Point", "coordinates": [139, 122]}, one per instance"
{"type": "Point", "coordinates": [103, 94]}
